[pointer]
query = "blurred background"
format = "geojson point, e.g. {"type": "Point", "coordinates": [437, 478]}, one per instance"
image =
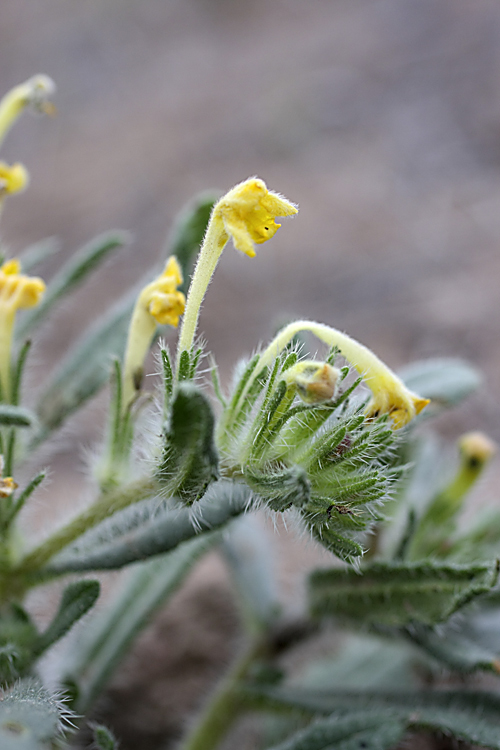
{"type": "Point", "coordinates": [381, 118]}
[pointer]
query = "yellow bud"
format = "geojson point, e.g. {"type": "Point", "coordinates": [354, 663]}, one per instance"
{"type": "Point", "coordinates": [476, 449]}
{"type": "Point", "coordinates": [315, 381]}
{"type": "Point", "coordinates": [13, 179]}
{"type": "Point", "coordinates": [161, 298]}
{"type": "Point", "coordinates": [34, 93]}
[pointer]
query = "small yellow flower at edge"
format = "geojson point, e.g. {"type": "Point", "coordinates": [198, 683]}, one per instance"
{"type": "Point", "coordinates": [13, 179]}
{"type": "Point", "coordinates": [161, 297]}
{"type": "Point", "coordinates": [248, 213]}
{"type": "Point", "coordinates": [16, 292]}
{"type": "Point", "coordinates": [7, 484]}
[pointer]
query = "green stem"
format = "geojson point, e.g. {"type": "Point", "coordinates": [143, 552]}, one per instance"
{"type": "Point", "coordinates": [224, 708]}
{"type": "Point", "coordinates": [213, 245]}
{"type": "Point", "coordinates": [106, 505]}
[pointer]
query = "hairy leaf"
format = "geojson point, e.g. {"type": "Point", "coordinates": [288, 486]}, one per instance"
{"type": "Point", "coordinates": [399, 593]}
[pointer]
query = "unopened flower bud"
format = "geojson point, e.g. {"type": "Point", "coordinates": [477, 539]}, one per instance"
{"type": "Point", "coordinates": [315, 381]}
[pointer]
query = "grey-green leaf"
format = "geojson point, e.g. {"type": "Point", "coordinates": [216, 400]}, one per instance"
{"type": "Point", "coordinates": [76, 601]}
{"type": "Point", "coordinates": [365, 729]}
{"type": "Point", "coordinates": [472, 716]}
{"type": "Point", "coordinates": [395, 593]}
{"type": "Point", "coordinates": [224, 501]}
{"type": "Point", "coordinates": [445, 381]}
{"type": "Point", "coordinates": [16, 416]}
{"type": "Point", "coordinates": [100, 649]}
{"type": "Point", "coordinates": [86, 368]}
{"type": "Point", "coordinates": [35, 254]}
{"type": "Point", "coordinates": [73, 273]}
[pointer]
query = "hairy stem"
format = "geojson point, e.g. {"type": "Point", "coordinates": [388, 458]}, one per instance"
{"type": "Point", "coordinates": [107, 504]}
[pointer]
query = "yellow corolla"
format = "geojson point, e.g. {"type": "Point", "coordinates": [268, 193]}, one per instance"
{"type": "Point", "coordinates": [158, 302]}
{"type": "Point", "coordinates": [389, 394]}
{"type": "Point", "coordinates": [246, 214]}
{"type": "Point", "coordinates": [17, 291]}
{"type": "Point", "coordinates": [13, 179]}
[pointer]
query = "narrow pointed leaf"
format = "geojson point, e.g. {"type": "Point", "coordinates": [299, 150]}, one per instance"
{"type": "Point", "coordinates": [367, 729]}
{"type": "Point", "coordinates": [16, 416]}
{"type": "Point", "coordinates": [399, 593]}
{"type": "Point", "coordinates": [223, 502]}
{"type": "Point", "coordinates": [76, 601]}
{"type": "Point", "coordinates": [72, 274]}
{"type": "Point", "coordinates": [100, 649]}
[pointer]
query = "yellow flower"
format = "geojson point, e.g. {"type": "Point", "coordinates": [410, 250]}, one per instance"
{"type": "Point", "coordinates": [248, 213]}
{"type": "Point", "coordinates": [7, 484]}
{"type": "Point", "coordinates": [161, 297]}
{"type": "Point", "coordinates": [16, 292]}
{"type": "Point", "coordinates": [315, 381]}
{"type": "Point", "coordinates": [33, 93]}
{"type": "Point", "coordinates": [13, 179]}
{"type": "Point", "coordinates": [158, 302]}
{"type": "Point", "coordinates": [476, 449]}
{"type": "Point", "coordinates": [390, 394]}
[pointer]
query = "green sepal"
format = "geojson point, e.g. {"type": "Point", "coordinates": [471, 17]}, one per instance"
{"type": "Point", "coordinates": [396, 593]}
{"type": "Point", "coordinates": [72, 274]}
{"type": "Point", "coordinates": [77, 599]}
{"type": "Point", "coordinates": [343, 547]}
{"type": "Point", "coordinates": [189, 461]}
{"type": "Point", "coordinates": [280, 488]}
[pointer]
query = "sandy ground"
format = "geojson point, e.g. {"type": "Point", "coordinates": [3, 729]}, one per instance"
{"type": "Point", "coordinates": [381, 118]}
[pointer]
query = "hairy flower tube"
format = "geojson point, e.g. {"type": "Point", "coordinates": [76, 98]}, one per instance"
{"type": "Point", "coordinates": [159, 302]}
{"type": "Point", "coordinates": [389, 393]}
{"type": "Point", "coordinates": [16, 292]}
{"type": "Point", "coordinates": [33, 93]}
{"type": "Point", "coordinates": [246, 214]}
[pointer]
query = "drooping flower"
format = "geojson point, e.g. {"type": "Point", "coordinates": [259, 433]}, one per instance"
{"type": "Point", "coordinates": [246, 214]}
{"type": "Point", "coordinates": [389, 394]}
{"type": "Point", "coordinates": [158, 302]}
